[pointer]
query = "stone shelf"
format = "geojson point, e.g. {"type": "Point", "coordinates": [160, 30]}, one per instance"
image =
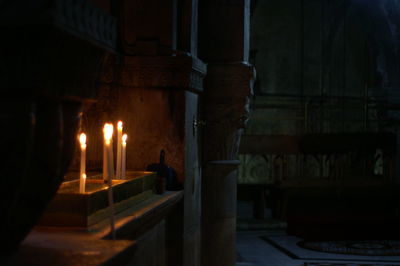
{"type": "Point", "coordinates": [67, 246]}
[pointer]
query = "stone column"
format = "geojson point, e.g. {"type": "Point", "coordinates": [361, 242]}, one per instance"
{"type": "Point", "coordinates": [226, 112]}
{"type": "Point", "coordinates": [224, 45]}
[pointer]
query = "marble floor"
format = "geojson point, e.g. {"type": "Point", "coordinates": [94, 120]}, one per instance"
{"type": "Point", "coordinates": [275, 248]}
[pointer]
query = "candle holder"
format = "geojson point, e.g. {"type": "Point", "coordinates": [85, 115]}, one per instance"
{"type": "Point", "coordinates": [71, 208]}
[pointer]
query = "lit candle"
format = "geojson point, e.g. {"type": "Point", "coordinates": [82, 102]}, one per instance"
{"type": "Point", "coordinates": [110, 166]}
{"type": "Point", "coordinates": [82, 175]}
{"type": "Point", "coordinates": [123, 163]}
{"type": "Point", "coordinates": [82, 183]}
{"type": "Point", "coordinates": [108, 171]}
{"type": "Point", "coordinates": [107, 152]}
{"type": "Point", "coordinates": [119, 149]}
{"type": "Point", "coordinates": [105, 158]}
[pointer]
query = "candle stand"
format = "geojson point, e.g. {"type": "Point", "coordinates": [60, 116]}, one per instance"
{"type": "Point", "coordinates": [73, 209]}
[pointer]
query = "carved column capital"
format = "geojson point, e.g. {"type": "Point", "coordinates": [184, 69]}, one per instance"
{"type": "Point", "coordinates": [229, 88]}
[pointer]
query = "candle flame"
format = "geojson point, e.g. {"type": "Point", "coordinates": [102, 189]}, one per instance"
{"type": "Point", "coordinates": [82, 140]}
{"type": "Point", "coordinates": [108, 132]}
{"type": "Point", "coordinates": [124, 137]}
{"type": "Point", "coordinates": [119, 125]}
{"type": "Point", "coordinates": [84, 176]}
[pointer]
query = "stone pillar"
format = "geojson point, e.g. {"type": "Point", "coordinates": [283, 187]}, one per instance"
{"type": "Point", "coordinates": [226, 111]}
{"type": "Point", "coordinates": [224, 45]}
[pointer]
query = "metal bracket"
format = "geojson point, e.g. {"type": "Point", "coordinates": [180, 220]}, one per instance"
{"type": "Point", "coordinates": [197, 123]}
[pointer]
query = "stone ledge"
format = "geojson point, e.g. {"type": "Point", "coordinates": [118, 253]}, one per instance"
{"type": "Point", "coordinates": [75, 246]}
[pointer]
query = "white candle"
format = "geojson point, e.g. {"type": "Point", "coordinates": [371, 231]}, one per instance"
{"type": "Point", "coordinates": [110, 160]}
{"type": "Point", "coordinates": [119, 149]}
{"type": "Point", "coordinates": [82, 183]}
{"type": "Point", "coordinates": [123, 163]}
{"type": "Point", "coordinates": [110, 167]}
{"type": "Point", "coordinates": [109, 172]}
{"type": "Point", "coordinates": [82, 175]}
{"type": "Point", "coordinates": [107, 150]}
{"type": "Point", "coordinates": [105, 171]}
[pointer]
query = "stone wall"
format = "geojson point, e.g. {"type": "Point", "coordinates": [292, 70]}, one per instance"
{"type": "Point", "coordinates": [322, 67]}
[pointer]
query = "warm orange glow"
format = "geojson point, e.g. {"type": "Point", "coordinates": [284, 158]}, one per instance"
{"type": "Point", "coordinates": [119, 125]}
{"type": "Point", "coordinates": [82, 140]}
{"type": "Point", "coordinates": [84, 176]}
{"type": "Point", "coordinates": [124, 137]}
{"type": "Point", "coordinates": [108, 132]}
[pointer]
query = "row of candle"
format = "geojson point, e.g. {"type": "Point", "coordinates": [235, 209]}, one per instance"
{"type": "Point", "coordinates": [108, 155]}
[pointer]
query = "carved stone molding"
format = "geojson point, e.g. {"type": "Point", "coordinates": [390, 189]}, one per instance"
{"type": "Point", "coordinates": [161, 72]}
